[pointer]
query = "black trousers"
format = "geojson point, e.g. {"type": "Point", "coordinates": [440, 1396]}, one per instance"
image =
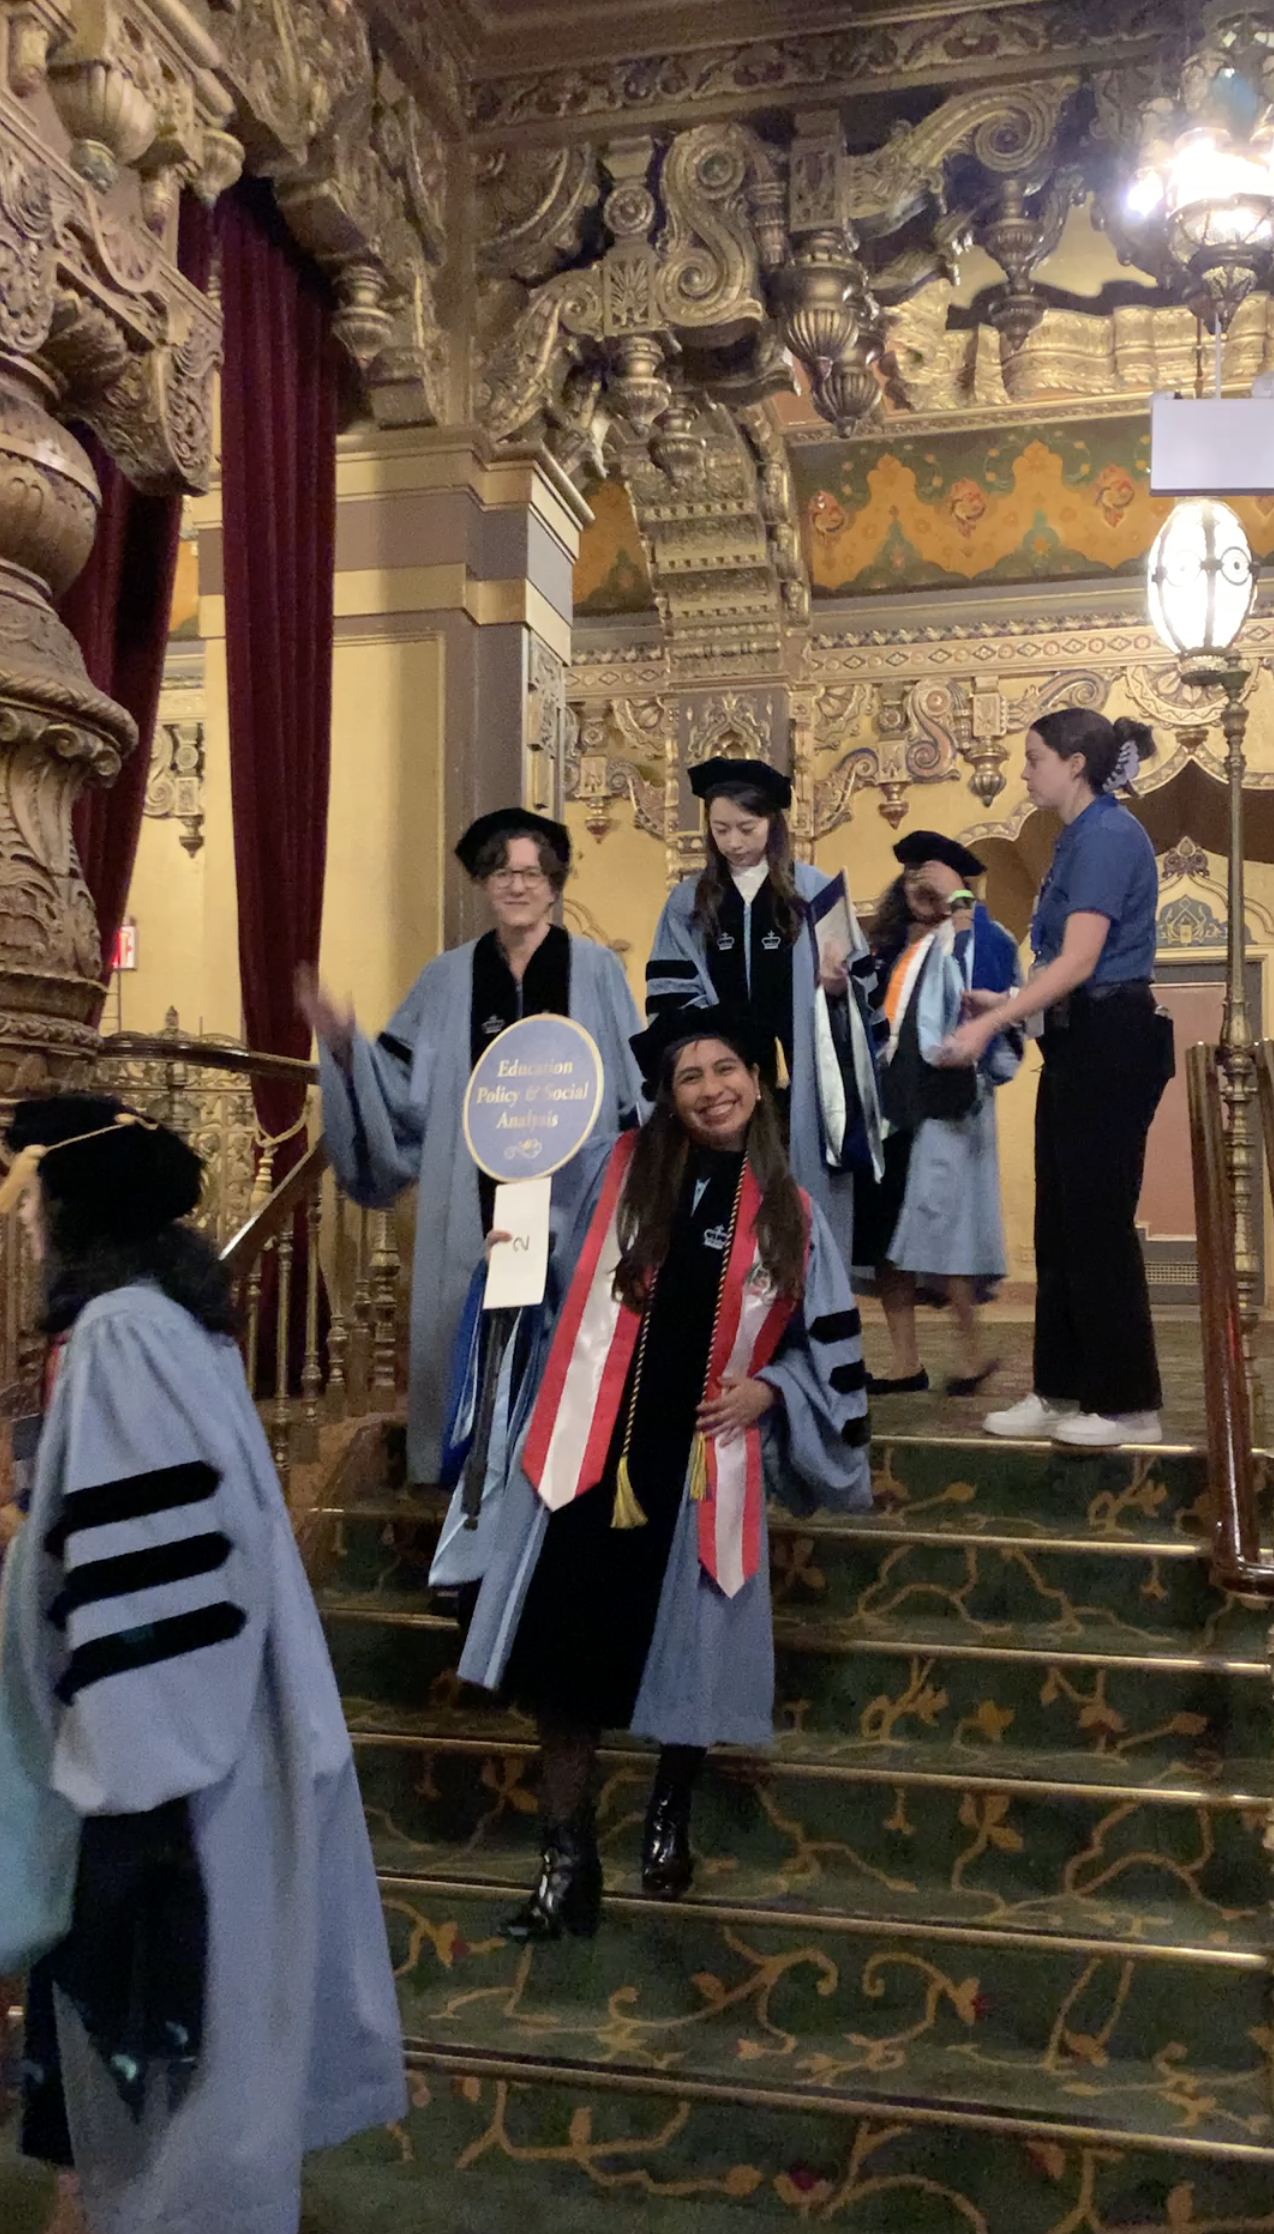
{"type": "Point", "coordinates": [1101, 1082]}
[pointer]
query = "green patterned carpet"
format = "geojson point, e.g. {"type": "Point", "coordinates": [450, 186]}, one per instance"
{"type": "Point", "coordinates": [981, 1948]}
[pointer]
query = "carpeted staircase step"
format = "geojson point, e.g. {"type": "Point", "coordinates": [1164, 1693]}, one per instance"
{"type": "Point", "coordinates": [915, 1676]}
{"type": "Point", "coordinates": [1008, 1495]}
{"type": "Point", "coordinates": [981, 1948]}
{"type": "Point", "coordinates": [495, 2142]}
{"type": "Point", "coordinates": [965, 1486]}
{"type": "Point", "coordinates": [466, 1718]}
{"type": "Point", "coordinates": [1109, 1863]}
{"type": "Point", "coordinates": [1155, 1587]}
{"type": "Point", "coordinates": [981, 1752]}
{"type": "Point", "coordinates": [1041, 2026]}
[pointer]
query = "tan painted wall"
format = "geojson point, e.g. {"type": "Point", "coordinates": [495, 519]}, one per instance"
{"type": "Point", "coordinates": [187, 920]}
{"type": "Point", "coordinates": [382, 913]}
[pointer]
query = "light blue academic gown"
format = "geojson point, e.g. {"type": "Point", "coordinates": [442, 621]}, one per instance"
{"type": "Point", "coordinates": [709, 1675]}
{"type": "Point", "coordinates": [113, 1713]}
{"type": "Point", "coordinates": [393, 1122]}
{"type": "Point", "coordinates": [679, 939]}
{"type": "Point", "coordinates": [952, 1220]}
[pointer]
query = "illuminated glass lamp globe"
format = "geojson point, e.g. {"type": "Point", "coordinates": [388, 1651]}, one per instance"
{"type": "Point", "coordinates": [1201, 580]}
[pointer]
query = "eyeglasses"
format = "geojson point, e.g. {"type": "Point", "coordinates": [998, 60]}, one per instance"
{"type": "Point", "coordinates": [505, 879]}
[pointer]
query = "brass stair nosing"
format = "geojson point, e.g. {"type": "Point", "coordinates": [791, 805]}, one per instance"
{"type": "Point", "coordinates": [849, 1772]}
{"type": "Point", "coordinates": [870, 1531]}
{"type": "Point", "coordinates": [908, 1439]}
{"type": "Point", "coordinates": [618, 2079]}
{"type": "Point", "coordinates": [392, 1617]}
{"type": "Point", "coordinates": [794, 1637]}
{"type": "Point", "coordinates": [1160, 1547]}
{"type": "Point", "coordinates": [799, 1638]}
{"type": "Point", "coordinates": [373, 1508]}
{"type": "Point", "coordinates": [838, 1921]}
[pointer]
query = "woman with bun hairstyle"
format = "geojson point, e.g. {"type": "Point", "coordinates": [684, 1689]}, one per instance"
{"type": "Point", "coordinates": [738, 933]}
{"type": "Point", "coordinates": [1107, 1052]}
{"type": "Point", "coordinates": [934, 1221]}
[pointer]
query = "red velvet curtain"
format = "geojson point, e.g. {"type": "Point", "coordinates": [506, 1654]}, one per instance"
{"type": "Point", "coordinates": [279, 402]}
{"type": "Point", "coordinates": [118, 611]}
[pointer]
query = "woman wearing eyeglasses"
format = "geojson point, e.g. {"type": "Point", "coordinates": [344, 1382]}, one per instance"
{"type": "Point", "coordinates": [392, 1108]}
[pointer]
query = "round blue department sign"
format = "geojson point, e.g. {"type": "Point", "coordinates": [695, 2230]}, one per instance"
{"type": "Point", "coordinates": [532, 1098]}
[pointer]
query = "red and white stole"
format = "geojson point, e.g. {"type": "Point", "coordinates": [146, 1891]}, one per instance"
{"type": "Point", "coordinates": [592, 1349]}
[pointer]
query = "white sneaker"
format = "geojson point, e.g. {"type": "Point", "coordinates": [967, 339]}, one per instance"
{"type": "Point", "coordinates": [1090, 1431]}
{"type": "Point", "coordinates": [1031, 1418]}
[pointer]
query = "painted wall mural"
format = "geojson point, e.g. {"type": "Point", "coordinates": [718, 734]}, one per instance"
{"type": "Point", "coordinates": [1022, 505]}
{"type": "Point", "coordinates": [611, 575]}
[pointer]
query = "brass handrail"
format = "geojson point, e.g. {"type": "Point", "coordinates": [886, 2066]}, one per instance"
{"type": "Point", "coordinates": [209, 1054]}
{"type": "Point", "coordinates": [1237, 1562]}
{"type": "Point", "coordinates": [276, 1212]}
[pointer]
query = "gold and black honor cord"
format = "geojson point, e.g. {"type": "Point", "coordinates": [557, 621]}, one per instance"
{"type": "Point", "coordinates": [627, 1512]}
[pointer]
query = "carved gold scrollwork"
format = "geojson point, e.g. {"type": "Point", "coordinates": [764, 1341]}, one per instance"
{"type": "Point", "coordinates": [876, 54]}
{"type": "Point", "coordinates": [544, 729]}
{"type": "Point", "coordinates": [533, 205]}
{"type": "Point", "coordinates": [623, 748]}
{"type": "Point", "coordinates": [708, 262]}
{"type": "Point", "coordinates": [28, 260]}
{"type": "Point", "coordinates": [361, 174]}
{"type": "Point", "coordinates": [174, 786]}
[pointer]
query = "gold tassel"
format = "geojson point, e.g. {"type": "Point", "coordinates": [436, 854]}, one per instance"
{"type": "Point", "coordinates": [25, 1168]}
{"type": "Point", "coordinates": [627, 1512]}
{"type": "Point", "coordinates": [698, 1470]}
{"type": "Point", "coordinates": [782, 1076]}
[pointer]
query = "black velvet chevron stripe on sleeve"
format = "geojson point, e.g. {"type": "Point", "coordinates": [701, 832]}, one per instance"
{"type": "Point", "coordinates": [656, 970]}
{"type": "Point", "coordinates": [150, 1569]}
{"type": "Point", "coordinates": [857, 1432]}
{"type": "Point", "coordinates": [837, 1326]}
{"type": "Point", "coordinates": [398, 1048]}
{"type": "Point", "coordinates": [132, 1497]}
{"type": "Point", "coordinates": [130, 1649]}
{"type": "Point", "coordinates": [848, 1379]}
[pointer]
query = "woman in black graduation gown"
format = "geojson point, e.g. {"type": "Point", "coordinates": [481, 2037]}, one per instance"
{"type": "Point", "coordinates": [738, 933]}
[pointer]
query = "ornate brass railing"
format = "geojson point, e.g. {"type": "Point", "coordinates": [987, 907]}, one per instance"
{"type": "Point", "coordinates": [203, 1088]}
{"type": "Point", "coordinates": [1238, 1560]}
{"type": "Point", "coordinates": [319, 1280]}
{"type": "Point", "coordinates": [350, 1259]}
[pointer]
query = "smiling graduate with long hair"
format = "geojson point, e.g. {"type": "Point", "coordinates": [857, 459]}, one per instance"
{"type": "Point", "coordinates": [698, 1344]}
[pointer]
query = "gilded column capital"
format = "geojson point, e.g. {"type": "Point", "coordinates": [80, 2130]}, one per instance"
{"type": "Point", "coordinates": [362, 174]}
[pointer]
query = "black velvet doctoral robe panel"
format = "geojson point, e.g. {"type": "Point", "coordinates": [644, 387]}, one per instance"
{"type": "Point", "coordinates": [590, 1611]}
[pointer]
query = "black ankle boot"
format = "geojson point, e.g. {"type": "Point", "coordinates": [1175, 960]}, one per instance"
{"type": "Point", "coordinates": [568, 1893]}
{"type": "Point", "coordinates": [667, 1864]}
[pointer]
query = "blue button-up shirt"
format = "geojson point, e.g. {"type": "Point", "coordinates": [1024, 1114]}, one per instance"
{"type": "Point", "coordinates": [1103, 864]}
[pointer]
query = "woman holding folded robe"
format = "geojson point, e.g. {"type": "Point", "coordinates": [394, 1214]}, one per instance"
{"type": "Point", "coordinates": [934, 1220]}
{"type": "Point", "coordinates": [739, 933]}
